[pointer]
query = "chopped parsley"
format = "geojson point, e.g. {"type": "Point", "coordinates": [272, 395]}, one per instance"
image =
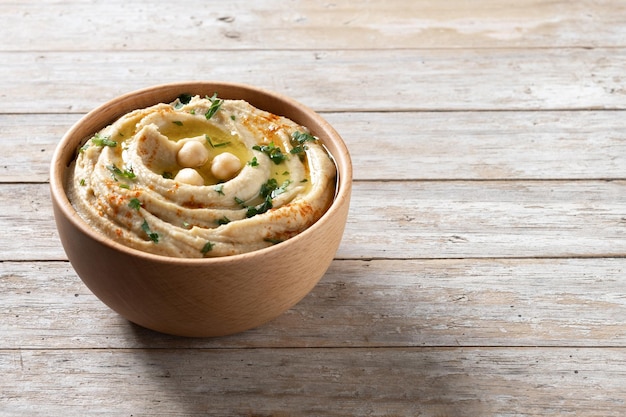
{"type": "Point", "coordinates": [82, 182]}
{"type": "Point", "coordinates": [215, 105]}
{"type": "Point", "coordinates": [253, 162]}
{"type": "Point", "coordinates": [185, 98]}
{"type": "Point", "coordinates": [167, 175]}
{"type": "Point", "coordinates": [233, 117]}
{"type": "Point", "coordinates": [261, 208]}
{"type": "Point", "coordinates": [135, 204]}
{"type": "Point", "coordinates": [118, 173]}
{"type": "Point", "coordinates": [271, 188]}
{"type": "Point", "coordinates": [208, 247]}
{"type": "Point", "coordinates": [223, 220]}
{"type": "Point", "coordinates": [219, 188]}
{"type": "Point", "coordinates": [275, 154]}
{"type": "Point", "coordinates": [215, 145]}
{"type": "Point", "coordinates": [154, 237]}
{"type": "Point", "coordinates": [298, 141]}
{"type": "Point", "coordinates": [268, 191]}
{"type": "Point", "coordinates": [177, 122]}
{"type": "Point", "coordinates": [103, 141]}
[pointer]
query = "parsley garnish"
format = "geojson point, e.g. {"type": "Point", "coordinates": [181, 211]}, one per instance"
{"type": "Point", "coordinates": [268, 192]}
{"type": "Point", "coordinates": [167, 175]}
{"type": "Point", "coordinates": [223, 220]}
{"type": "Point", "coordinates": [207, 247]}
{"type": "Point", "coordinates": [215, 145]}
{"type": "Point", "coordinates": [219, 188]}
{"type": "Point", "coordinates": [177, 122]}
{"type": "Point", "coordinates": [152, 235]}
{"type": "Point", "coordinates": [298, 140]}
{"type": "Point", "coordinates": [127, 173]}
{"type": "Point", "coordinates": [253, 162]}
{"type": "Point", "coordinates": [215, 105]}
{"type": "Point", "coordinates": [82, 182]}
{"type": "Point", "coordinates": [261, 208]}
{"type": "Point", "coordinates": [272, 151]}
{"type": "Point", "coordinates": [135, 204]}
{"type": "Point", "coordinates": [103, 141]}
{"type": "Point", "coordinates": [185, 98]}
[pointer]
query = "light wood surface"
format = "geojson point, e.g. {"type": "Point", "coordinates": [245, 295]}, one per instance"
{"type": "Point", "coordinates": [483, 267]}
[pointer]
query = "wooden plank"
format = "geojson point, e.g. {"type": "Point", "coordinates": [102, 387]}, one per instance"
{"type": "Point", "coordinates": [398, 219]}
{"type": "Point", "coordinates": [331, 382]}
{"type": "Point", "coordinates": [119, 25]}
{"type": "Point", "coordinates": [406, 146]}
{"type": "Point", "coordinates": [381, 303]}
{"type": "Point", "coordinates": [389, 80]}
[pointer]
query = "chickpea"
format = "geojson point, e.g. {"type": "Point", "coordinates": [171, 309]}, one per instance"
{"type": "Point", "coordinates": [225, 166]}
{"type": "Point", "coordinates": [189, 176]}
{"type": "Point", "coordinates": [192, 154]}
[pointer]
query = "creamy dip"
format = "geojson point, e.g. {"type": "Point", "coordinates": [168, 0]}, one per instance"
{"type": "Point", "coordinates": [201, 177]}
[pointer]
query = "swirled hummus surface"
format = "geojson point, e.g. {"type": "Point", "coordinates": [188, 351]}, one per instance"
{"type": "Point", "coordinates": [201, 177]}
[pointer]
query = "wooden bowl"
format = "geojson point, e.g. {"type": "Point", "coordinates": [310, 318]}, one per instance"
{"type": "Point", "coordinates": [210, 296]}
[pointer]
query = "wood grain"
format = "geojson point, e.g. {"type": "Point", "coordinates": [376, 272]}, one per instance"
{"type": "Point", "coordinates": [239, 25]}
{"type": "Point", "coordinates": [380, 303]}
{"type": "Point", "coordinates": [335, 80]}
{"type": "Point", "coordinates": [472, 382]}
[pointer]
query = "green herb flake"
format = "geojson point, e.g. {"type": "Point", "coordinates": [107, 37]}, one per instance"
{"type": "Point", "coordinates": [253, 162]}
{"type": "Point", "coordinates": [219, 188]}
{"type": "Point", "coordinates": [215, 145]}
{"type": "Point", "coordinates": [272, 151]}
{"type": "Point", "coordinates": [127, 173]}
{"type": "Point", "coordinates": [223, 220]}
{"type": "Point", "coordinates": [208, 247]}
{"type": "Point", "coordinates": [167, 175]}
{"type": "Point", "coordinates": [186, 225]}
{"type": "Point", "coordinates": [185, 98]}
{"type": "Point", "coordinates": [177, 122]}
{"type": "Point", "coordinates": [135, 204]}
{"type": "Point", "coordinates": [233, 117]}
{"type": "Point", "coordinates": [215, 106]}
{"type": "Point", "coordinates": [124, 186]}
{"type": "Point", "coordinates": [154, 237]}
{"type": "Point", "coordinates": [273, 241]}
{"type": "Point", "coordinates": [298, 141]}
{"type": "Point", "coordinates": [82, 182]}
{"type": "Point", "coordinates": [182, 100]}
{"type": "Point", "coordinates": [103, 141]}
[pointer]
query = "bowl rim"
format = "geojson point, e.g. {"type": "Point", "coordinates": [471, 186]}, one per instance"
{"type": "Point", "coordinates": [58, 167]}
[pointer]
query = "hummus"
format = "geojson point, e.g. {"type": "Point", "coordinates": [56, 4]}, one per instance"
{"type": "Point", "coordinates": [201, 177]}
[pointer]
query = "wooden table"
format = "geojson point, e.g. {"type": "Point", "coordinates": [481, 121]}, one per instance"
{"type": "Point", "coordinates": [482, 271]}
